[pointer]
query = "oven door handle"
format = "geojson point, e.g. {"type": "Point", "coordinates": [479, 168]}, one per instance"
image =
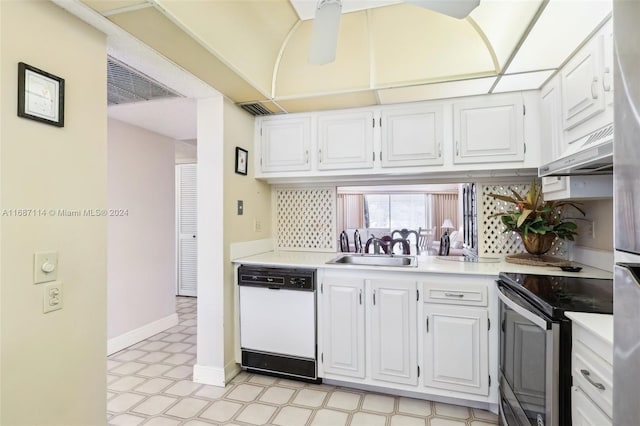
{"type": "Point", "coordinates": [540, 322]}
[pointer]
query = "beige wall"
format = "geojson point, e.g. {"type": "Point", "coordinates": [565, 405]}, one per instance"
{"type": "Point", "coordinates": [601, 213]}
{"type": "Point", "coordinates": [238, 132]}
{"type": "Point", "coordinates": [142, 244]}
{"type": "Point", "coordinates": [52, 368]}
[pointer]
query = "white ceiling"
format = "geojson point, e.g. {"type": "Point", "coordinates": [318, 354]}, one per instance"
{"type": "Point", "coordinates": [256, 50]}
{"type": "Point", "coordinates": [174, 117]}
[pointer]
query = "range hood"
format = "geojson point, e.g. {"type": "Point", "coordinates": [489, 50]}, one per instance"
{"type": "Point", "coordinates": [589, 155]}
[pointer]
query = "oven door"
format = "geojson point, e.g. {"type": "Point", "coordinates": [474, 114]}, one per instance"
{"type": "Point", "coordinates": [529, 362]}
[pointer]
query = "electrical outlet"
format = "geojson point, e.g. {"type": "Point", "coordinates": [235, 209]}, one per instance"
{"type": "Point", "coordinates": [52, 297]}
{"type": "Point", "coordinates": [240, 207]}
{"type": "Point", "coordinates": [257, 225]}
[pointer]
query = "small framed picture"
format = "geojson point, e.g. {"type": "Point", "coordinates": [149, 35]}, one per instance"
{"type": "Point", "coordinates": [40, 95]}
{"type": "Point", "coordinates": [241, 160]}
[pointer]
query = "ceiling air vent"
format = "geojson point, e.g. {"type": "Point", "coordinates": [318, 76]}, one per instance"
{"type": "Point", "coordinates": [126, 85]}
{"type": "Point", "coordinates": [255, 108]}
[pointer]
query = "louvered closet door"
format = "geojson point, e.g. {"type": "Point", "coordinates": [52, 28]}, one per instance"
{"type": "Point", "coordinates": [187, 208]}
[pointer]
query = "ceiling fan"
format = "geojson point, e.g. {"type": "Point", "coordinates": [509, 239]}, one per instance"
{"type": "Point", "coordinates": [324, 38]}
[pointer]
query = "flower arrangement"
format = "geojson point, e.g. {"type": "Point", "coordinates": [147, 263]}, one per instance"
{"type": "Point", "coordinates": [537, 221]}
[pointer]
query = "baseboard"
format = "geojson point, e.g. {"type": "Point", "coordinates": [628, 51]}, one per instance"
{"type": "Point", "coordinates": [141, 333]}
{"type": "Point", "coordinates": [215, 376]}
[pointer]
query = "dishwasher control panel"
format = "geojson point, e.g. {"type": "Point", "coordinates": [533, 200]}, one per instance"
{"type": "Point", "coordinates": [285, 278]}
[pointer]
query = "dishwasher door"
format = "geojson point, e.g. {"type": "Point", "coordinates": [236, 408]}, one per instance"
{"type": "Point", "coordinates": [278, 321]}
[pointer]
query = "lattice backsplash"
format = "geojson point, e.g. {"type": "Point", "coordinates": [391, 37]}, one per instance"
{"type": "Point", "coordinates": [306, 219]}
{"type": "Point", "coordinates": [492, 241]}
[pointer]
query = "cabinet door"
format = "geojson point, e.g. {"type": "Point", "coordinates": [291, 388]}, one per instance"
{"type": "Point", "coordinates": [343, 327]}
{"type": "Point", "coordinates": [607, 75]}
{"type": "Point", "coordinates": [489, 130]}
{"type": "Point", "coordinates": [551, 121]}
{"type": "Point", "coordinates": [456, 352]}
{"type": "Point", "coordinates": [345, 141]}
{"type": "Point", "coordinates": [412, 137]}
{"type": "Point", "coordinates": [285, 144]}
{"type": "Point", "coordinates": [585, 412]}
{"type": "Point", "coordinates": [582, 92]}
{"type": "Point", "coordinates": [394, 356]}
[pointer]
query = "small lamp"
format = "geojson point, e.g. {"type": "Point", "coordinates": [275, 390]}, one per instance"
{"type": "Point", "coordinates": [446, 225]}
{"type": "Point", "coordinates": [444, 240]}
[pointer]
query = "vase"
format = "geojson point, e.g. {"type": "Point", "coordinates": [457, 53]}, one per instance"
{"type": "Point", "coordinates": [537, 244]}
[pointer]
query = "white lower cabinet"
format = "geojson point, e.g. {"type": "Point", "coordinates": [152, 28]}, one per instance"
{"type": "Point", "coordinates": [343, 327]}
{"type": "Point", "coordinates": [456, 348]}
{"type": "Point", "coordinates": [390, 311]}
{"type": "Point", "coordinates": [456, 336]}
{"type": "Point", "coordinates": [417, 333]}
{"type": "Point", "coordinates": [394, 333]}
{"type": "Point", "coordinates": [584, 412]}
{"type": "Point", "coordinates": [591, 369]}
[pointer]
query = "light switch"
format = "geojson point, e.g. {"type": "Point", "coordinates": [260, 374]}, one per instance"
{"type": "Point", "coordinates": [45, 267]}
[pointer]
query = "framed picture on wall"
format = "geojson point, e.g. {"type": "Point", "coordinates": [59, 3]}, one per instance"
{"type": "Point", "coordinates": [242, 156]}
{"type": "Point", "coordinates": [40, 95]}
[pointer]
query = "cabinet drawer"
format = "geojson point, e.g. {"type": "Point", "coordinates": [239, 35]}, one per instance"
{"type": "Point", "coordinates": [593, 375]}
{"type": "Point", "coordinates": [456, 294]}
{"type": "Point", "coordinates": [584, 412]}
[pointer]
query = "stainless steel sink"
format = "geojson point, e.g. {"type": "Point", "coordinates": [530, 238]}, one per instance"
{"type": "Point", "coordinates": [375, 260]}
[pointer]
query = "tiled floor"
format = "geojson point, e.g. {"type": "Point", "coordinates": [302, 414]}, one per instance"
{"type": "Point", "coordinates": [150, 383]}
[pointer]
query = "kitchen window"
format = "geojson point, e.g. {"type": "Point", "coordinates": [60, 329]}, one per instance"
{"type": "Point", "coordinates": [378, 210]}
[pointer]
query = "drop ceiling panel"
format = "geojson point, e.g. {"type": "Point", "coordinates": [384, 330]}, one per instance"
{"type": "Point", "coordinates": [412, 44]}
{"type": "Point", "coordinates": [155, 30]}
{"type": "Point", "coordinates": [561, 28]}
{"type": "Point", "coordinates": [105, 6]}
{"type": "Point", "coordinates": [320, 103]}
{"type": "Point", "coordinates": [349, 72]}
{"type": "Point", "coordinates": [245, 35]}
{"type": "Point", "coordinates": [306, 8]}
{"type": "Point", "coordinates": [503, 23]}
{"type": "Point", "coordinates": [427, 92]}
{"type": "Point", "coordinates": [524, 81]}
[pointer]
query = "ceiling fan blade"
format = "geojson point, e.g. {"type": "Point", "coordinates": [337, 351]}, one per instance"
{"type": "Point", "coordinates": [324, 38]}
{"type": "Point", "coordinates": [454, 8]}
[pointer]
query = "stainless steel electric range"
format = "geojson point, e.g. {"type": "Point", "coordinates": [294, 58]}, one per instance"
{"type": "Point", "coordinates": [535, 343]}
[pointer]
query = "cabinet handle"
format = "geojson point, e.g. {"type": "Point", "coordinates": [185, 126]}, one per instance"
{"type": "Point", "coordinates": [440, 150]}
{"type": "Point", "coordinates": [458, 295]}
{"type": "Point", "coordinates": [587, 375]}
{"type": "Point", "coordinates": [374, 297]}
{"type": "Point", "coordinates": [306, 156]}
{"type": "Point", "coordinates": [457, 149]}
{"type": "Point", "coordinates": [320, 155]}
{"type": "Point", "coordinates": [360, 297]}
{"type": "Point", "coordinates": [594, 88]}
{"type": "Point", "coordinates": [606, 80]}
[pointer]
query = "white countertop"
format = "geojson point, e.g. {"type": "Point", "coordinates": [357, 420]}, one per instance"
{"type": "Point", "coordinates": [429, 264]}
{"type": "Point", "coordinates": [599, 324]}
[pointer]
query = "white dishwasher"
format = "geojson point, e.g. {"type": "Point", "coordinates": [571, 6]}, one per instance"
{"type": "Point", "coordinates": [278, 321]}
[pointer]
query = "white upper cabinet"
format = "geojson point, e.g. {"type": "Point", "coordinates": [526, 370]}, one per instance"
{"type": "Point", "coordinates": [345, 140]}
{"type": "Point", "coordinates": [489, 129]}
{"type": "Point", "coordinates": [285, 143]}
{"type": "Point", "coordinates": [412, 136]}
{"type": "Point", "coordinates": [582, 88]}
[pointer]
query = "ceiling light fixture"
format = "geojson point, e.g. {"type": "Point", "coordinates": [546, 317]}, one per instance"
{"type": "Point", "coordinates": [326, 26]}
